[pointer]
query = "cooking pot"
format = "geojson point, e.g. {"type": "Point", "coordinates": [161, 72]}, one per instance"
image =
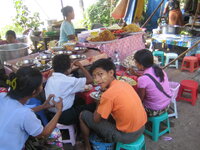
{"type": "Point", "coordinates": [12, 51]}
{"type": "Point", "coordinates": [171, 29]}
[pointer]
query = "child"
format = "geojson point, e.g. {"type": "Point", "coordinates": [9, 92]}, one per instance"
{"type": "Point", "coordinates": [119, 100]}
{"type": "Point", "coordinates": [17, 121]}
{"type": "Point", "coordinates": [155, 100]}
{"type": "Point", "coordinates": [62, 85]}
{"type": "Point", "coordinates": [10, 38]}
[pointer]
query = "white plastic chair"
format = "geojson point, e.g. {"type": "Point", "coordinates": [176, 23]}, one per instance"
{"type": "Point", "coordinates": [72, 133]}
{"type": "Point", "coordinates": [174, 87]}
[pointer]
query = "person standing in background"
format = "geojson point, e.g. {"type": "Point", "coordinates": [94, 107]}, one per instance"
{"type": "Point", "coordinates": [67, 31]}
{"type": "Point", "coordinates": [175, 15]}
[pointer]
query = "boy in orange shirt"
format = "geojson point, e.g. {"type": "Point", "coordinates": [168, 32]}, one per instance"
{"type": "Point", "coordinates": [118, 100]}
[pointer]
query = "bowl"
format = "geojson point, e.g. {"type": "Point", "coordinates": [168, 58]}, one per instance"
{"type": "Point", "coordinates": [58, 48]}
{"type": "Point", "coordinates": [69, 46]}
{"type": "Point", "coordinates": [77, 56]}
{"type": "Point", "coordinates": [79, 49]}
{"type": "Point", "coordinates": [25, 62]}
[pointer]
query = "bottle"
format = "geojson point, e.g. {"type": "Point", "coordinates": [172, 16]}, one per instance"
{"type": "Point", "coordinates": [117, 60]}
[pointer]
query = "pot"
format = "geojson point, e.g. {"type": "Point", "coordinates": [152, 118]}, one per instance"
{"type": "Point", "coordinates": [12, 51]}
{"type": "Point", "coordinates": [169, 29]}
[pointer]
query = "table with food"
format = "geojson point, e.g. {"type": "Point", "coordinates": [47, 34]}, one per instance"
{"type": "Point", "coordinates": [123, 40]}
{"type": "Point", "coordinates": [43, 60]}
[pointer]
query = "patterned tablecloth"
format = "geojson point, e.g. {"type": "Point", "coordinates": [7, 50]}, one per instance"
{"type": "Point", "coordinates": [124, 46]}
{"type": "Point", "coordinates": [177, 40]}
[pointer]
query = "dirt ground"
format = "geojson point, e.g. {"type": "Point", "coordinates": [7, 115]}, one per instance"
{"type": "Point", "coordinates": [185, 132]}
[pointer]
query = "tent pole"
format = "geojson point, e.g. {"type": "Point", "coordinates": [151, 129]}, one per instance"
{"type": "Point", "coordinates": [196, 14]}
{"type": "Point", "coordinates": [152, 14]}
{"type": "Point", "coordinates": [62, 8]}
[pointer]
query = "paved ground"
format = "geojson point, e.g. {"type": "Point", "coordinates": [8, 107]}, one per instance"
{"type": "Point", "coordinates": [185, 132]}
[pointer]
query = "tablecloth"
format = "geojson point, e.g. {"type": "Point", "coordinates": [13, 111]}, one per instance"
{"type": "Point", "coordinates": [124, 46]}
{"type": "Point", "coordinates": [177, 40]}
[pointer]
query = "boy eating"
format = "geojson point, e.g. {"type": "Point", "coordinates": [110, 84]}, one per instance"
{"type": "Point", "coordinates": [118, 100]}
{"type": "Point", "coordinates": [64, 86]}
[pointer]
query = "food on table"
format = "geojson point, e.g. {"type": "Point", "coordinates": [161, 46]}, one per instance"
{"type": "Point", "coordinates": [118, 31]}
{"type": "Point", "coordinates": [106, 35]}
{"type": "Point", "coordinates": [185, 33]}
{"type": "Point", "coordinates": [132, 28]}
{"type": "Point", "coordinates": [114, 27]}
{"type": "Point", "coordinates": [96, 95]}
{"type": "Point", "coordinates": [43, 67]}
{"type": "Point", "coordinates": [69, 46]}
{"type": "Point", "coordinates": [25, 62]}
{"type": "Point", "coordinates": [127, 79]}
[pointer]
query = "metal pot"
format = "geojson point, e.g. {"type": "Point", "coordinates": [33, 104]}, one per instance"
{"type": "Point", "coordinates": [169, 29]}
{"type": "Point", "coordinates": [12, 51]}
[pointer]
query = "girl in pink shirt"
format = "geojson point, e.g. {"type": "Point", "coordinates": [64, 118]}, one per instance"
{"type": "Point", "coordinates": [153, 85]}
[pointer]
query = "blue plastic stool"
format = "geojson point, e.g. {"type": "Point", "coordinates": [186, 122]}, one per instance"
{"type": "Point", "coordinates": [161, 55]}
{"type": "Point", "coordinates": [139, 144]}
{"type": "Point", "coordinates": [33, 102]}
{"type": "Point", "coordinates": [155, 134]}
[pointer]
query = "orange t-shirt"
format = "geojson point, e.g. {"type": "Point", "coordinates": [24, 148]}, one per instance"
{"type": "Point", "coordinates": [122, 102]}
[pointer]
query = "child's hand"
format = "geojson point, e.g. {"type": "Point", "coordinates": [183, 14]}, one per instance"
{"type": "Point", "coordinates": [47, 104]}
{"type": "Point", "coordinates": [58, 105]}
{"type": "Point", "coordinates": [132, 71]}
{"type": "Point", "coordinates": [77, 63]}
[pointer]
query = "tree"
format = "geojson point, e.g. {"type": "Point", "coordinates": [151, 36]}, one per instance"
{"type": "Point", "coordinates": [24, 18]}
{"type": "Point", "coordinates": [99, 13]}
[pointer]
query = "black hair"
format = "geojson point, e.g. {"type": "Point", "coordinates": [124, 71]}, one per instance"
{"type": "Point", "coordinates": [10, 32]}
{"type": "Point", "coordinates": [3, 78]}
{"type": "Point", "coordinates": [66, 10]}
{"type": "Point", "coordinates": [61, 63]}
{"type": "Point", "coordinates": [145, 58]}
{"type": "Point", "coordinates": [27, 80]}
{"type": "Point", "coordinates": [105, 64]}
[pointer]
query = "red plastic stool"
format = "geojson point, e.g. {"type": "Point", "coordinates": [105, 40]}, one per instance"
{"type": "Point", "coordinates": [190, 63]}
{"type": "Point", "coordinates": [188, 86]}
{"type": "Point", "coordinates": [198, 57]}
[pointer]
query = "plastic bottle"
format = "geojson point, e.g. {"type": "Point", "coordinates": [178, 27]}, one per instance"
{"type": "Point", "coordinates": [117, 60]}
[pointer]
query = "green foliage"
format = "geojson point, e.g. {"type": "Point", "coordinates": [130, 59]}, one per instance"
{"type": "Point", "coordinates": [24, 18]}
{"type": "Point", "coordinates": [17, 29]}
{"type": "Point", "coordinates": [99, 13]}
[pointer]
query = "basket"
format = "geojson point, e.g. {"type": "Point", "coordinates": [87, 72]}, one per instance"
{"type": "Point", "coordinates": [98, 144]}
{"type": "Point", "coordinates": [174, 87]}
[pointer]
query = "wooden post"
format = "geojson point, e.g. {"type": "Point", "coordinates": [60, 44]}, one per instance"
{"type": "Point", "coordinates": [196, 14]}
{"type": "Point", "coordinates": [152, 14]}
{"type": "Point", "coordinates": [62, 8]}
{"type": "Point", "coordinates": [189, 49]}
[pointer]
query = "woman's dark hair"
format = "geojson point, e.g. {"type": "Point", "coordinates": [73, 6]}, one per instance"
{"type": "Point", "coordinates": [145, 58]}
{"type": "Point", "coordinates": [3, 78]}
{"type": "Point", "coordinates": [66, 10]}
{"type": "Point", "coordinates": [61, 63]}
{"type": "Point", "coordinates": [105, 64]}
{"type": "Point", "coordinates": [27, 80]}
{"type": "Point", "coordinates": [10, 32]}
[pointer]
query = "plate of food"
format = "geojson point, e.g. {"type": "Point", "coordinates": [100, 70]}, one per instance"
{"type": "Point", "coordinates": [43, 68]}
{"type": "Point", "coordinates": [96, 95]}
{"type": "Point", "coordinates": [78, 56]}
{"type": "Point", "coordinates": [25, 62]}
{"type": "Point", "coordinates": [127, 79]}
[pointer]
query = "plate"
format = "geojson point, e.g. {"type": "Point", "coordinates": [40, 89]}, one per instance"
{"type": "Point", "coordinates": [25, 62]}
{"type": "Point", "coordinates": [96, 95]}
{"type": "Point", "coordinates": [78, 56]}
{"type": "Point", "coordinates": [102, 42]}
{"type": "Point", "coordinates": [127, 79]}
{"type": "Point", "coordinates": [79, 50]}
{"type": "Point", "coordinates": [43, 68]}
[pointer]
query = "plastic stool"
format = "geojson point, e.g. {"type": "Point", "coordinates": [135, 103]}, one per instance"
{"type": "Point", "coordinates": [171, 56]}
{"type": "Point", "coordinates": [198, 57]}
{"type": "Point", "coordinates": [33, 102]}
{"type": "Point", "coordinates": [139, 144]}
{"type": "Point", "coordinates": [72, 134]}
{"type": "Point", "coordinates": [155, 133]}
{"type": "Point", "coordinates": [161, 55]}
{"type": "Point", "coordinates": [190, 63]}
{"type": "Point", "coordinates": [188, 86]}
{"type": "Point", "coordinates": [174, 87]}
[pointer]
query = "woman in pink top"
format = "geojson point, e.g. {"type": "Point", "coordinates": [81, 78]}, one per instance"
{"type": "Point", "coordinates": [153, 85]}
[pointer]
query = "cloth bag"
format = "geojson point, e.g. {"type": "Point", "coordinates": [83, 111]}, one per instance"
{"type": "Point", "coordinates": [120, 9]}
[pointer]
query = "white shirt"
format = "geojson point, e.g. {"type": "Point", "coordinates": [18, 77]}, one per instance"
{"type": "Point", "coordinates": [65, 87]}
{"type": "Point", "coordinates": [17, 122]}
